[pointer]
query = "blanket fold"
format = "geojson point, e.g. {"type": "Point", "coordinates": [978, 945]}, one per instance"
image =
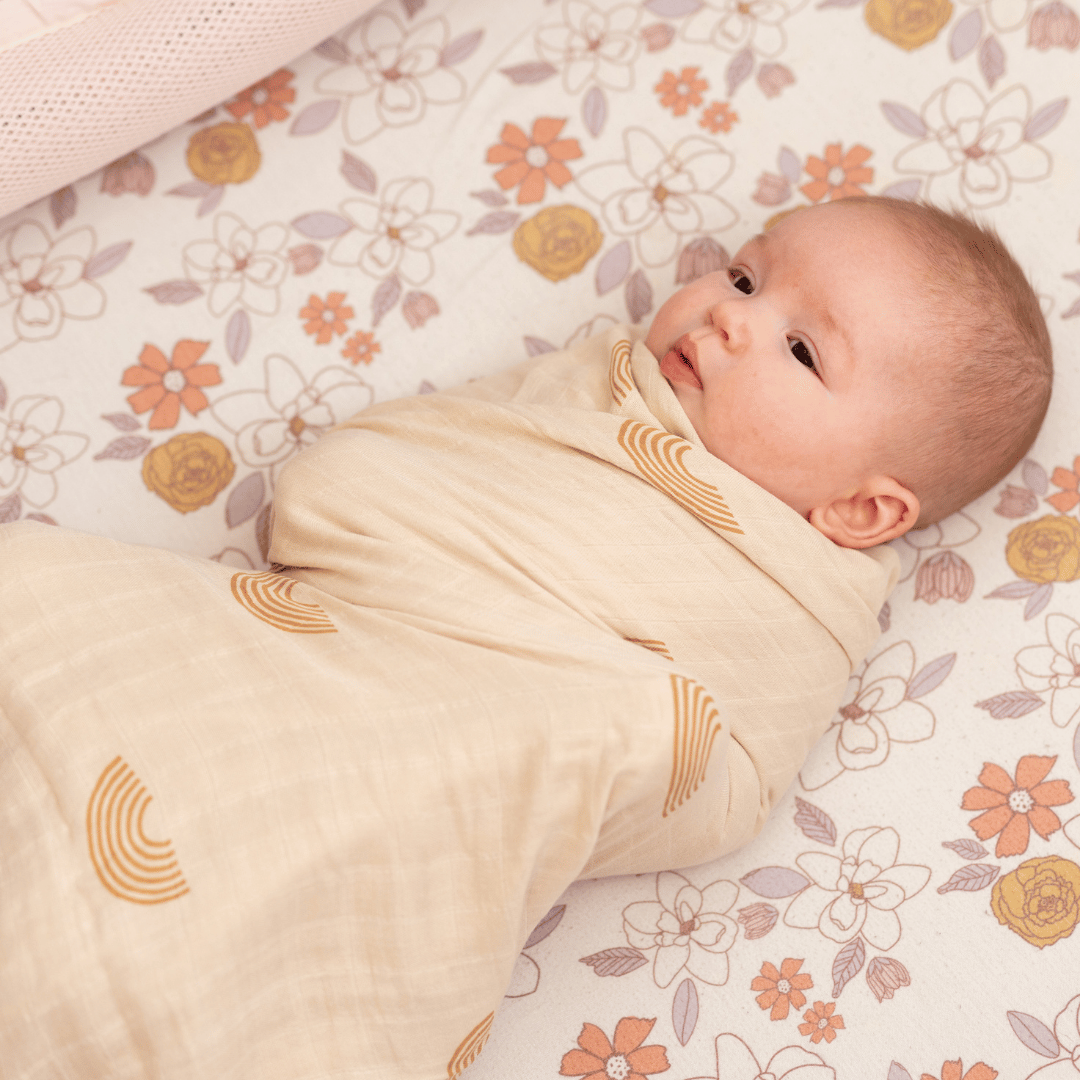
{"type": "Point", "coordinates": [302, 821]}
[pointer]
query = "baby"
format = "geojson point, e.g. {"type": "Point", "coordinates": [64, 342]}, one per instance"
{"type": "Point", "coordinates": [924, 364]}
{"type": "Point", "coordinates": [583, 617]}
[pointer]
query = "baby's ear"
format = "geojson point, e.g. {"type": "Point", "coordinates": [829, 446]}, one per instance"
{"type": "Point", "coordinates": [881, 510]}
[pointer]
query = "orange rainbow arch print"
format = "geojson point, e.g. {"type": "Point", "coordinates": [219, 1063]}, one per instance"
{"type": "Point", "coordinates": [619, 373]}
{"type": "Point", "coordinates": [658, 456]}
{"type": "Point", "coordinates": [697, 723]}
{"type": "Point", "coordinates": [653, 645]}
{"type": "Point", "coordinates": [268, 596]}
{"type": "Point", "coordinates": [470, 1048]}
{"type": "Point", "coordinates": [129, 864]}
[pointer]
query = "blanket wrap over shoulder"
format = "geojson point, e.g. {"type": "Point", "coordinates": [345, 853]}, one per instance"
{"type": "Point", "coordinates": [300, 823]}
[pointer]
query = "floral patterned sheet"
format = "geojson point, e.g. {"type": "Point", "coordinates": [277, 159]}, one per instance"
{"type": "Point", "coordinates": [448, 184]}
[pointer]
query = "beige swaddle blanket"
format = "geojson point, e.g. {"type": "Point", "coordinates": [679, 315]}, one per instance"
{"type": "Point", "coordinates": [300, 823]}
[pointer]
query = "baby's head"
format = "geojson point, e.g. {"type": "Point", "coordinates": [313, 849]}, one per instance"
{"type": "Point", "coordinates": [875, 364]}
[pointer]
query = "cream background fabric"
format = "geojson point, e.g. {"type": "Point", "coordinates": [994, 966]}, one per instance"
{"type": "Point", "coordinates": [971, 104]}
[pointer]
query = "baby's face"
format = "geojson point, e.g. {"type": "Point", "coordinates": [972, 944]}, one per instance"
{"type": "Point", "coordinates": [788, 363]}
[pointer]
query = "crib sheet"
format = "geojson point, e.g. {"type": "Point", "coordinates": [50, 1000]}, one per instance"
{"type": "Point", "coordinates": [445, 183]}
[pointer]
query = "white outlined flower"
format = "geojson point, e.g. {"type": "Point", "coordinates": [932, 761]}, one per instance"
{"type": "Point", "coordinates": [592, 44]}
{"type": "Point", "coordinates": [394, 235]}
{"type": "Point", "coordinates": [661, 197]}
{"type": "Point", "coordinates": [741, 24]}
{"type": "Point", "coordinates": [32, 448]}
{"type": "Point", "coordinates": [736, 1061]}
{"type": "Point", "coordinates": [975, 149]}
{"type": "Point", "coordinates": [858, 893]}
{"type": "Point", "coordinates": [241, 265]}
{"type": "Point", "coordinates": [290, 412]}
{"type": "Point", "coordinates": [1055, 667]}
{"type": "Point", "coordinates": [876, 713]}
{"type": "Point", "coordinates": [42, 283]}
{"type": "Point", "coordinates": [688, 927]}
{"type": "Point", "coordinates": [393, 73]}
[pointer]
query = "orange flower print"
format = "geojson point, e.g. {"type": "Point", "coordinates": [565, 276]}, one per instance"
{"type": "Point", "coordinates": [838, 175]}
{"type": "Point", "coordinates": [952, 1070]}
{"type": "Point", "coordinates": [820, 1022]}
{"type": "Point", "coordinates": [1063, 501]}
{"type": "Point", "coordinates": [361, 348]}
{"type": "Point", "coordinates": [718, 116]}
{"type": "Point", "coordinates": [679, 92]}
{"type": "Point", "coordinates": [168, 384]}
{"type": "Point", "coordinates": [266, 99]}
{"type": "Point", "coordinates": [627, 1058]}
{"type": "Point", "coordinates": [782, 988]}
{"type": "Point", "coordinates": [1014, 808]}
{"type": "Point", "coordinates": [531, 162]}
{"type": "Point", "coordinates": [324, 320]}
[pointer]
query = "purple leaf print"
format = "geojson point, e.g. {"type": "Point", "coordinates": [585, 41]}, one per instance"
{"type": "Point", "coordinates": [1034, 1034]}
{"type": "Point", "coordinates": [966, 34]}
{"type": "Point", "coordinates": [238, 335]}
{"type": "Point", "coordinates": [903, 119]}
{"type": "Point", "coordinates": [461, 48]}
{"type": "Point", "coordinates": [316, 117]}
{"type": "Point", "coordinates": [775, 882]}
{"type": "Point", "coordinates": [613, 268]}
{"type": "Point", "coordinates": [814, 822]}
{"type": "Point", "coordinates": [848, 963]}
{"type": "Point", "coordinates": [738, 71]}
{"type": "Point", "coordinates": [534, 346]}
{"type": "Point", "coordinates": [359, 173]}
{"type": "Point", "coordinates": [545, 926]}
{"type": "Point", "coordinates": [615, 962]}
{"type": "Point", "coordinates": [498, 221]}
{"type": "Point", "coordinates": [1044, 119]}
{"type": "Point", "coordinates": [966, 849]}
{"type": "Point", "coordinates": [530, 72]}
{"type": "Point", "coordinates": [125, 448]}
{"type": "Point", "coordinates": [970, 878]}
{"type": "Point", "coordinates": [594, 111]}
{"type": "Point", "coordinates": [931, 676]}
{"type": "Point", "coordinates": [684, 1011]}
{"type": "Point", "coordinates": [639, 296]}
{"type": "Point", "coordinates": [107, 259]}
{"type": "Point", "coordinates": [245, 500]}
{"type": "Point", "coordinates": [1011, 704]}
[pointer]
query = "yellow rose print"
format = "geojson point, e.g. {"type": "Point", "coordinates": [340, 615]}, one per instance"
{"type": "Point", "coordinates": [1045, 550]}
{"type": "Point", "coordinates": [188, 471]}
{"type": "Point", "coordinates": [224, 154]}
{"type": "Point", "coordinates": [1039, 900]}
{"type": "Point", "coordinates": [559, 241]}
{"type": "Point", "coordinates": [908, 23]}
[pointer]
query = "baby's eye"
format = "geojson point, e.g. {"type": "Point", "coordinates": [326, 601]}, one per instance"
{"type": "Point", "coordinates": [801, 351]}
{"type": "Point", "coordinates": [740, 280]}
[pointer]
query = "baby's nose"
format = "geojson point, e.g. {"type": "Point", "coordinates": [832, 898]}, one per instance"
{"type": "Point", "coordinates": [731, 324]}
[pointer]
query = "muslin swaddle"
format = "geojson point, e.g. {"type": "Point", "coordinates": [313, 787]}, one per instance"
{"type": "Point", "coordinates": [301, 822]}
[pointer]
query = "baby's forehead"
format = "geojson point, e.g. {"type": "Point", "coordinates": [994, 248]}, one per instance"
{"type": "Point", "coordinates": [854, 226]}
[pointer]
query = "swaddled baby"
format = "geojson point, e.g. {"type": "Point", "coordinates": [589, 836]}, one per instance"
{"type": "Point", "coordinates": [583, 617]}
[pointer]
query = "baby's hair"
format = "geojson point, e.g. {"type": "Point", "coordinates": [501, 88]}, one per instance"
{"type": "Point", "coordinates": [984, 367]}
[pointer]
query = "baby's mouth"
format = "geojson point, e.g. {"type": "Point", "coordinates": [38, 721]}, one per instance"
{"type": "Point", "coordinates": [678, 364]}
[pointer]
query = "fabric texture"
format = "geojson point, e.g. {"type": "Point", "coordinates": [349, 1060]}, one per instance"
{"type": "Point", "coordinates": [177, 325]}
{"type": "Point", "coordinates": [300, 821]}
{"type": "Point", "coordinates": [76, 94]}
